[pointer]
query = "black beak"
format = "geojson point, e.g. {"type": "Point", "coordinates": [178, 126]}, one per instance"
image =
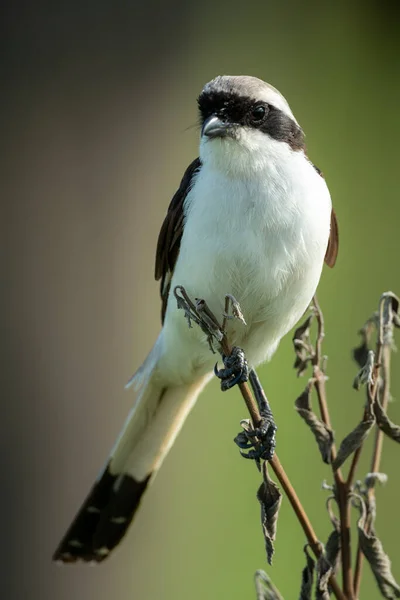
{"type": "Point", "coordinates": [213, 127]}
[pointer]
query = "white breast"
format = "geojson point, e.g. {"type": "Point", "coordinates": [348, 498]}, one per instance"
{"type": "Point", "coordinates": [262, 239]}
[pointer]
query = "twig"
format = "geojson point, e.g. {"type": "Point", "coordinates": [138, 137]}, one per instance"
{"type": "Point", "coordinates": [341, 486]}
{"type": "Point", "coordinates": [377, 455]}
{"type": "Point", "coordinates": [383, 356]}
{"type": "Point", "coordinates": [256, 419]}
{"type": "Point", "coordinates": [285, 482]}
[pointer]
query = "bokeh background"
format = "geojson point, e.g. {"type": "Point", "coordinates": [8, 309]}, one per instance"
{"type": "Point", "coordinates": [98, 100]}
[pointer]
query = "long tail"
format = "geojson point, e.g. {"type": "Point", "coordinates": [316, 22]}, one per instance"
{"type": "Point", "coordinates": [145, 440]}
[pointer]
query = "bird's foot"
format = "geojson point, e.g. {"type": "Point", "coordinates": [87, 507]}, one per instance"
{"type": "Point", "coordinates": [259, 441]}
{"type": "Point", "coordinates": [236, 369]}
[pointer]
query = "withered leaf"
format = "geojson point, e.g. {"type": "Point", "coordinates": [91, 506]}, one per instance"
{"type": "Point", "coordinates": [302, 346]}
{"type": "Point", "coordinates": [332, 550]}
{"type": "Point", "coordinates": [389, 310]}
{"type": "Point", "coordinates": [236, 309]}
{"type": "Point", "coordinates": [366, 374]}
{"type": "Point", "coordinates": [265, 589]}
{"type": "Point", "coordinates": [270, 499]}
{"type": "Point", "coordinates": [395, 301]}
{"type": "Point", "coordinates": [372, 478]}
{"type": "Point", "coordinates": [379, 562]}
{"type": "Point", "coordinates": [324, 571]}
{"type": "Point", "coordinates": [352, 441]}
{"type": "Point", "coordinates": [209, 322]}
{"type": "Point", "coordinates": [303, 330]}
{"type": "Point", "coordinates": [385, 424]}
{"type": "Point", "coordinates": [323, 435]}
{"type": "Point", "coordinates": [307, 577]}
{"type": "Point", "coordinates": [360, 354]}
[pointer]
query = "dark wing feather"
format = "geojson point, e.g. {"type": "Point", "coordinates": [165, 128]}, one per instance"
{"type": "Point", "coordinates": [333, 242]}
{"type": "Point", "coordinates": [169, 240]}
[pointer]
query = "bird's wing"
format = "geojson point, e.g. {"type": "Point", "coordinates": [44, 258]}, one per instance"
{"type": "Point", "coordinates": [169, 240]}
{"type": "Point", "coordinates": [333, 242]}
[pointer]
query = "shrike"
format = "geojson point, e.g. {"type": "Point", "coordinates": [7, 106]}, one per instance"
{"type": "Point", "coordinates": [253, 218]}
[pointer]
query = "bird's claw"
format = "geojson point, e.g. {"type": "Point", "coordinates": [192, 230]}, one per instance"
{"type": "Point", "coordinates": [236, 369]}
{"type": "Point", "coordinates": [260, 441]}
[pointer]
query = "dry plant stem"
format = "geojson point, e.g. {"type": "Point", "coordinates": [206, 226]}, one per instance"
{"type": "Point", "coordinates": [275, 462]}
{"type": "Point", "coordinates": [341, 485]}
{"type": "Point", "coordinates": [353, 466]}
{"type": "Point", "coordinates": [342, 491]}
{"type": "Point", "coordinates": [358, 571]}
{"type": "Point", "coordinates": [284, 480]}
{"type": "Point", "coordinates": [319, 378]}
{"type": "Point", "coordinates": [382, 356]}
{"type": "Point", "coordinates": [376, 458]}
{"type": "Point", "coordinates": [383, 361]}
{"type": "Point", "coordinates": [345, 521]}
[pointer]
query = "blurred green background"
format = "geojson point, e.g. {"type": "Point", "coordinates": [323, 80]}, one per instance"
{"type": "Point", "coordinates": [98, 100]}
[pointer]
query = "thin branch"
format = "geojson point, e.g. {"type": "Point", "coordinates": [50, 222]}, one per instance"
{"type": "Point", "coordinates": [353, 466]}
{"type": "Point", "coordinates": [358, 570]}
{"type": "Point", "coordinates": [341, 487]}
{"type": "Point", "coordinates": [211, 326]}
{"type": "Point", "coordinates": [382, 361]}
{"type": "Point", "coordinates": [286, 484]}
{"type": "Point", "coordinates": [377, 455]}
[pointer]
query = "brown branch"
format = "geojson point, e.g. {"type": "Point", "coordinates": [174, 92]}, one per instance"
{"type": "Point", "coordinates": [284, 479]}
{"type": "Point", "coordinates": [384, 361]}
{"type": "Point", "coordinates": [358, 570]}
{"type": "Point", "coordinates": [287, 486]}
{"type": "Point", "coordinates": [320, 379]}
{"type": "Point", "coordinates": [353, 466]}
{"type": "Point", "coordinates": [383, 356]}
{"type": "Point", "coordinates": [388, 316]}
{"type": "Point", "coordinates": [341, 486]}
{"type": "Point", "coordinates": [201, 314]}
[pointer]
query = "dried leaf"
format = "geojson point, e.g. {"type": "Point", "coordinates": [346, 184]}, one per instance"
{"type": "Point", "coordinates": [395, 302]}
{"type": "Point", "coordinates": [389, 304]}
{"type": "Point", "coordinates": [209, 324]}
{"type": "Point", "coordinates": [270, 499]}
{"type": "Point", "coordinates": [322, 434]}
{"type": "Point", "coordinates": [379, 562]}
{"type": "Point", "coordinates": [352, 441]}
{"type": "Point", "coordinates": [332, 550]}
{"type": "Point", "coordinates": [326, 486]}
{"type": "Point", "coordinates": [385, 424]}
{"type": "Point", "coordinates": [302, 346]}
{"type": "Point", "coordinates": [333, 544]}
{"type": "Point", "coordinates": [324, 571]}
{"type": "Point", "coordinates": [366, 375]}
{"type": "Point", "coordinates": [372, 478]}
{"type": "Point", "coordinates": [265, 589]}
{"type": "Point", "coordinates": [360, 354]}
{"type": "Point", "coordinates": [307, 577]}
{"type": "Point", "coordinates": [236, 309]}
{"type": "Point", "coordinates": [303, 330]}
{"type": "Point", "coordinates": [396, 320]}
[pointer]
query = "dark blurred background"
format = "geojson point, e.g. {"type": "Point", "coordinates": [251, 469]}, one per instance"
{"type": "Point", "coordinates": [97, 103]}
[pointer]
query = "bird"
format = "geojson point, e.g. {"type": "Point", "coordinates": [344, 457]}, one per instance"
{"type": "Point", "coordinates": [253, 218]}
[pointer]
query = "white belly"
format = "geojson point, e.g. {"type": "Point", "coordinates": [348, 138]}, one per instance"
{"type": "Point", "coordinates": [263, 241]}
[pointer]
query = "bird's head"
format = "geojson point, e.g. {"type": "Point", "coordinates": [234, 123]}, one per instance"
{"type": "Point", "coordinates": [245, 123]}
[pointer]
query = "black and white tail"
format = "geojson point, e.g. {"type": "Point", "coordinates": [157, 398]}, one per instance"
{"type": "Point", "coordinates": [148, 434]}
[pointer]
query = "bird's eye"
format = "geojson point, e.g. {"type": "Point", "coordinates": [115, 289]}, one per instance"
{"type": "Point", "coordinates": [258, 113]}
